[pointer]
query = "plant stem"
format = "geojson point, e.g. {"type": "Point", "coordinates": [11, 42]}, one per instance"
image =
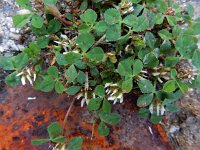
{"type": "Point", "coordinates": [100, 40]}
{"type": "Point", "coordinates": [67, 114]}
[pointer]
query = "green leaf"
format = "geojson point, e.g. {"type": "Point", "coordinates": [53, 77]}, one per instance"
{"type": "Point", "coordinates": [184, 44]}
{"type": "Point", "coordinates": [96, 54]}
{"type": "Point", "coordinates": [6, 63]}
{"type": "Point", "coordinates": [150, 39]}
{"type": "Point", "coordinates": [138, 24]}
{"type": "Point", "coordinates": [144, 112]}
{"type": "Point", "coordinates": [21, 20]}
{"type": "Point", "coordinates": [89, 16]}
{"type": "Point", "coordinates": [141, 24]}
{"type": "Point", "coordinates": [20, 60]}
{"type": "Point", "coordinates": [155, 119]}
{"type": "Point", "coordinates": [50, 2]}
{"type": "Point", "coordinates": [60, 59]}
{"type": "Point", "coordinates": [172, 20]}
{"type": "Point", "coordinates": [171, 61]}
{"type": "Point", "coordinates": [150, 60]}
{"type": "Point", "coordinates": [112, 16]}
{"type": "Point", "coordinates": [146, 86]}
{"type": "Point", "coordinates": [113, 32]}
{"type": "Point", "coordinates": [39, 141]}
{"type": "Point", "coordinates": [75, 144]}
{"type": "Point", "coordinates": [161, 5]}
{"type": "Point", "coordinates": [53, 71]}
{"type": "Point", "coordinates": [106, 107]}
{"type": "Point", "coordinates": [47, 84]}
{"type": "Point", "coordinates": [130, 20]}
{"type": "Point", "coordinates": [81, 64]}
{"type": "Point", "coordinates": [59, 139]}
{"type": "Point", "coordinates": [103, 130]}
{"type": "Point", "coordinates": [94, 104]}
{"type": "Point", "coordinates": [72, 90]}
{"type": "Point", "coordinates": [137, 67]}
{"type": "Point", "coordinates": [85, 41]}
{"type": "Point", "coordinates": [144, 100]}
{"type": "Point", "coordinates": [72, 57]}
{"type": "Point", "coordinates": [172, 108]}
{"type": "Point", "coordinates": [12, 79]}
{"type": "Point", "coordinates": [159, 18]}
{"type": "Point", "coordinates": [125, 67]}
{"type": "Point", "coordinates": [37, 21]}
{"type": "Point", "coordinates": [39, 31]}
{"type": "Point", "coordinates": [71, 74]}
{"type": "Point", "coordinates": [81, 77]}
{"type": "Point", "coordinates": [84, 5]}
{"type": "Point", "coordinates": [54, 130]}
{"type": "Point", "coordinates": [99, 90]}
{"type": "Point", "coordinates": [183, 87]}
{"type": "Point", "coordinates": [53, 26]}
{"type": "Point", "coordinates": [196, 59]}
{"type": "Point", "coordinates": [100, 27]}
{"type": "Point", "coordinates": [135, 1]}
{"type": "Point", "coordinates": [173, 73]}
{"type": "Point", "coordinates": [59, 87]}
{"type": "Point", "coordinates": [169, 86]}
{"type": "Point", "coordinates": [110, 118]}
{"type": "Point", "coordinates": [196, 82]}
{"type": "Point", "coordinates": [43, 41]}
{"type": "Point", "coordinates": [190, 10]}
{"type": "Point", "coordinates": [196, 28]}
{"type": "Point", "coordinates": [33, 50]}
{"type": "Point", "coordinates": [24, 3]}
{"type": "Point", "coordinates": [127, 85]}
{"type": "Point", "coordinates": [165, 35]}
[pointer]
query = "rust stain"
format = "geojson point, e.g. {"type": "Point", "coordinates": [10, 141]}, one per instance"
{"type": "Point", "coordinates": [22, 120]}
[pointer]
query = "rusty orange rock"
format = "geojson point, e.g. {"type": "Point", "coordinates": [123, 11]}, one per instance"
{"type": "Point", "coordinates": [22, 120]}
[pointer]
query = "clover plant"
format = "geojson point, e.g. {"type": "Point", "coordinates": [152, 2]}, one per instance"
{"type": "Point", "coordinates": [54, 131]}
{"type": "Point", "coordinates": [102, 49]}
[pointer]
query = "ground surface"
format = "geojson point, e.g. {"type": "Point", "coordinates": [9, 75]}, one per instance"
{"type": "Point", "coordinates": [182, 128]}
